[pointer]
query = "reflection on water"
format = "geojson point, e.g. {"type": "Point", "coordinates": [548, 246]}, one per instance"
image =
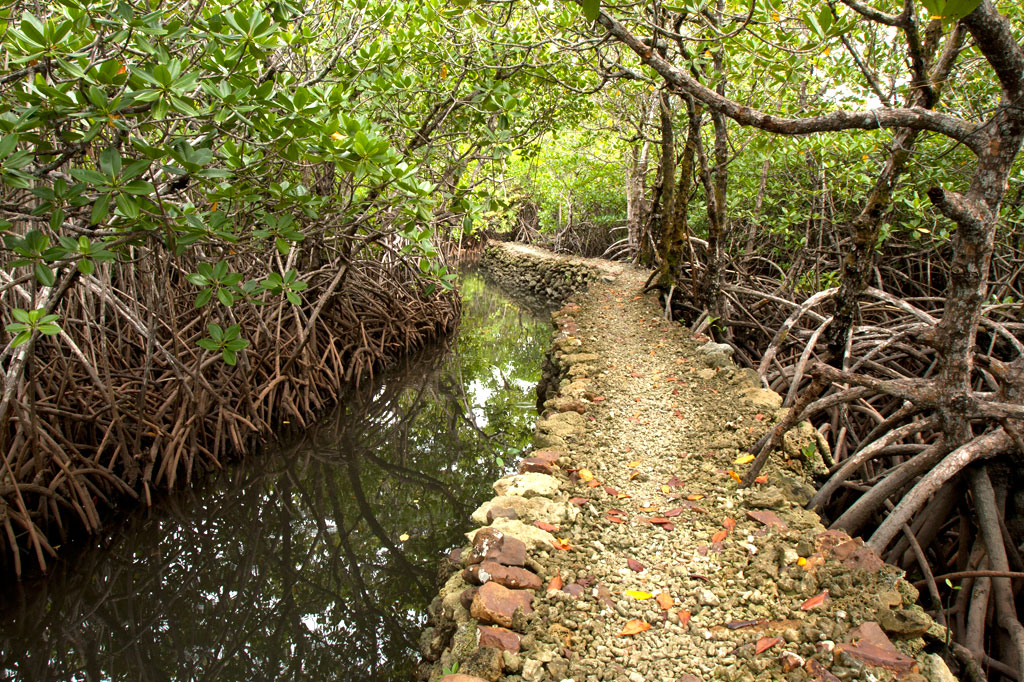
{"type": "Point", "coordinates": [291, 565]}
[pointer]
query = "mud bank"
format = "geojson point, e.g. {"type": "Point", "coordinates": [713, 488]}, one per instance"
{"type": "Point", "coordinates": [624, 549]}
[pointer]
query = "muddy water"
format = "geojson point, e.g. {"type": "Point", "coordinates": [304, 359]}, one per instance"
{"type": "Point", "coordinates": [313, 561]}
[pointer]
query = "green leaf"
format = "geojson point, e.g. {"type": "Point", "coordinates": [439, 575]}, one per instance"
{"type": "Point", "coordinates": [86, 266]}
{"type": "Point", "coordinates": [591, 9]}
{"type": "Point", "coordinates": [225, 297]}
{"type": "Point", "coordinates": [49, 329]}
{"type": "Point", "coordinates": [43, 274]}
{"type": "Point", "coordinates": [203, 298]}
{"type": "Point", "coordinates": [100, 209]}
{"type": "Point", "coordinates": [229, 357]}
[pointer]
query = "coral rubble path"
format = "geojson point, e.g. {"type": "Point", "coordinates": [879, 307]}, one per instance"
{"type": "Point", "coordinates": [654, 564]}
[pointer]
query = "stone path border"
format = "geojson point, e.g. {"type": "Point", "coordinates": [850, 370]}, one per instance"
{"type": "Point", "coordinates": [624, 548]}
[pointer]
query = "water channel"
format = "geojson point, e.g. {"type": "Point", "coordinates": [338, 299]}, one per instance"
{"type": "Point", "coordinates": [313, 561]}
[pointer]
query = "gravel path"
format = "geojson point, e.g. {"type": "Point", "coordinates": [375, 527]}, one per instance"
{"type": "Point", "coordinates": [655, 565]}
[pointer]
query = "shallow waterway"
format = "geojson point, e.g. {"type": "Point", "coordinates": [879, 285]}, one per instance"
{"type": "Point", "coordinates": [313, 561]}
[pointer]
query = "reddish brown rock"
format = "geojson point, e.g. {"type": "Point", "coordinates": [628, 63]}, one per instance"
{"type": "Point", "coordinates": [535, 465]}
{"type": "Point", "coordinates": [466, 597]}
{"type": "Point", "coordinates": [490, 544]}
{"type": "Point", "coordinates": [549, 456]}
{"type": "Point", "coordinates": [871, 646]}
{"type": "Point", "coordinates": [498, 637]}
{"type": "Point", "coordinates": [819, 672]}
{"type": "Point", "coordinates": [512, 577]}
{"type": "Point", "coordinates": [853, 554]}
{"type": "Point", "coordinates": [459, 677]}
{"type": "Point", "coordinates": [496, 604]}
{"type": "Point", "coordinates": [574, 590]}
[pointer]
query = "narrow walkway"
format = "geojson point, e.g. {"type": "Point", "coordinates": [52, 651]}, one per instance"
{"type": "Point", "coordinates": [654, 565]}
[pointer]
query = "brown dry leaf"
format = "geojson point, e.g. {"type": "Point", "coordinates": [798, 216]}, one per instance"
{"type": "Point", "coordinates": [634, 627]}
{"type": "Point", "coordinates": [634, 565]}
{"type": "Point", "coordinates": [556, 583]}
{"type": "Point", "coordinates": [719, 536]}
{"type": "Point", "coordinates": [815, 601]}
{"type": "Point", "coordinates": [578, 501]}
{"type": "Point", "coordinates": [684, 617]}
{"type": "Point", "coordinates": [665, 600]}
{"type": "Point", "coordinates": [729, 523]}
{"type": "Point", "coordinates": [765, 643]}
{"type": "Point", "coordinates": [611, 491]}
{"type": "Point", "coordinates": [673, 512]}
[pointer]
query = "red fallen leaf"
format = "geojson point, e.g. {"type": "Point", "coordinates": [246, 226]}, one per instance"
{"type": "Point", "coordinates": [729, 523]}
{"type": "Point", "coordinates": [668, 526]}
{"type": "Point", "coordinates": [614, 519]}
{"type": "Point", "coordinates": [611, 491]}
{"type": "Point", "coordinates": [592, 483]}
{"type": "Point", "coordinates": [761, 480]}
{"type": "Point", "coordinates": [561, 544]}
{"type": "Point", "coordinates": [658, 520]}
{"type": "Point", "coordinates": [619, 512]}
{"type": "Point", "coordinates": [634, 565]}
{"type": "Point", "coordinates": [759, 417]}
{"type": "Point", "coordinates": [765, 643]}
{"type": "Point", "coordinates": [635, 374]}
{"type": "Point", "coordinates": [684, 617]}
{"type": "Point", "coordinates": [578, 501]}
{"type": "Point", "coordinates": [673, 512]}
{"type": "Point", "coordinates": [674, 482]}
{"type": "Point", "coordinates": [546, 526]}
{"type": "Point", "coordinates": [556, 583]}
{"type": "Point", "coordinates": [634, 627]}
{"type": "Point", "coordinates": [597, 399]}
{"type": "Point", "coordinates": [815, 601]}
{"type": "Point", "coordinates": [719, 536]}
{"type": "Point", "coordinates": [665, 600]}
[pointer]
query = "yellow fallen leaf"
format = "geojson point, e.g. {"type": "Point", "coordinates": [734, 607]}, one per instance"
{"type": "Point", "coordinates": [734, 476]}
{"type": "Point", "coordinates": [634, 463]}
{"type": "Point", "coordinates": [586, 474]}
{"type": "Point", "coordinates": [665, 489]}
{"type": "Point", "coordinates": [665, 601]}
{"type": "Point", "coordinates": [637, 594]}
{"type": "Point", "coordinates": [743, 459]}
{"type": "Point", "coordinates": [801, 561]}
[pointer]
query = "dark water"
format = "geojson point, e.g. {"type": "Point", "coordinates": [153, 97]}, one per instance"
{"type": "Point", "coordinates": [291, 565]}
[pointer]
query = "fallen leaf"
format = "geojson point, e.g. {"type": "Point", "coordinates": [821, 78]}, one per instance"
{"type": "Point", "coordinates": [597, 399]}
{"type": "Point", "coordinates": [635, 374]}
{"type": "Point", "coordinates": [734, 476]}
{"type": "Point", "coordinates": [759, 417]}
{"type": "Point", "coordinates": [761, 480]}
{"type": "Point", "coordinates": [674, 482]}
{"type": "Point", "coordinates": [648, 510]}
{"type": "Point", "coordinates": [592, 483]}
{"type": "Point", "coordinates": [658, 520]}
{"type": "Point", "coordinates": [611, 491]}
{"type": "Point", "coordinates": [633, 474]}
{"type": "Point", "coordinates": [578, 501]}
{"type": "Point", "coordinates": [815, 601]}
{"type": "Point", "coordinates": [614, 519]}
{"type": "Point", "coordinates": [634, 627]}
{"type": "Point", "coordinates": [684, 617]}
{"type": "Point", "coordinates": [546, 526]}
{"type": "Point", "coordinates": [621, 496]}
{"type": "Point", "coordinates": [634, 463]}
{"type": "Point", "coordinates": [719, 536]}
{"type": "Point", "coordinates": [665, 489]}
{"type": "Point", "coordinates": [586, 474]}
{"type": "Point", "coordinates": [561, 543]}
{"type": "Point", "coordinates": [556, 583]}
{"type": "Point", "coordinates": [694, 498]}
{"type": "Point", "coordinates": [743, 459]}
{"type": "Point", "coordinates": [765, 643]}
{"type": "Point", "coordinates": [729, 523]}
{"type": "Point", "coordinates": [665, 600]}
{"type": "Point", "coordinates": [637, 594]}
{"type": "Point", "coordinates": [673, 512]}
{"type": "Point", "coordinates": [634, 565]}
